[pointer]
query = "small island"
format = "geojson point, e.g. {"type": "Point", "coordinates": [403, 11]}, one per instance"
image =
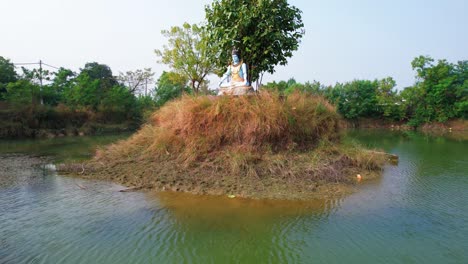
{"type": "Point", "coordinates": [261, 146]}
{"type": "Point", "coordinates": [243, 142]}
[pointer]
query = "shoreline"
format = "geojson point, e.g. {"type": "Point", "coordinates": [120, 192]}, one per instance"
{"type": "Point", "coordinates": [89, 129]}
{"type": "Point", "coordinates": [458, 125]}
{"type": "Point", "coordinates": [302, 176]}
{"type": "Point", "coordinates": [51, 122]}
{"type": "Point", "coordinates": [278, 192]}
{"type": "Point", "coordinates": [13, 163]}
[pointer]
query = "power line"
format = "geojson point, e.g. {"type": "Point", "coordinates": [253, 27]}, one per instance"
{"type": "Point", "coordinates": [26, 63]}
{"type": "Point", "coordinates": [51, 66]}
{"type": "Point", "coordinates": [40, 72]}
{"type": "Point", "coordinates": [37, 63]}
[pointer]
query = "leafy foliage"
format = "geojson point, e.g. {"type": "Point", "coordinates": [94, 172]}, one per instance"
{"type": "Point", "coordinates": [356, 99]}
{"type": "Point", "coordinates": [101, 72]}
{"type": "Point", "coordinates": [265, 31]}
{"type": "Point", "coordinates": [291, 86]}
{"type": "Point", "coordinates": [85, 92]}
{"type": "Point", "coordinates": [22, 92]}
{"type": "Point", "coordinates": [7, 74]}
{"type": "Point", "coordinates": [389, 100]}
{"type": "Point", "coordinates": [119, 104]}
{"type": "Point", "coordinates": [187, 54]}
{"type": "Point", "coordinates": [170, 85]}
{"type": "Point", "coordinates": [440, 93]}
{"type": "Point", "coordinates": [441, 90]}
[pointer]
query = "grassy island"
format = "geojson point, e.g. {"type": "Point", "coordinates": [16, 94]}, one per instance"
{"type": "Point", "coordinates": [261, 146]}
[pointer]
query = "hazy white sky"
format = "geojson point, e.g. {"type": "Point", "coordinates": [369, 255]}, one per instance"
{"type": "Point", "coordinates": [344, 40]}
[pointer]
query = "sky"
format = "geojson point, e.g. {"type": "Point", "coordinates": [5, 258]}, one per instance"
{"type": "Point", "coordinates": [344, 40]}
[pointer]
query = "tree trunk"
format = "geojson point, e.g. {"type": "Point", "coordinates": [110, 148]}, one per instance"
{"type": "Point", "coordinates": [195, 90]}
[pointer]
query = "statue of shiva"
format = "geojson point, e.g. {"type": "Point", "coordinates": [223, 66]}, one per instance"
{"type": "Point", "coordinates": [238, 83]}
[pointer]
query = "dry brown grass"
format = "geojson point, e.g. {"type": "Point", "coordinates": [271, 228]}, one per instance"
{"type": "Point", "coordinates": [261, 146]}
{"type": "Point", "coordinates": [192, 128]}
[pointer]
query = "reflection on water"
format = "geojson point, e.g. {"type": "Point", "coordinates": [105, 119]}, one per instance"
{"type": "Point", "coordinates": [68, 220]}
{"type": "Point", "coordinates": [65, 148]}
{"type": "Point", "coordinates": [416, 213]}
{"type": "Point", "coordinates": [237, 211]}
{"type": "Point", "coordinates": [244, 230]}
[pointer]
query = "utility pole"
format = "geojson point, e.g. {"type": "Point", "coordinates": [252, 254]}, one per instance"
{"type": "Point", "coordinates": [40, 81]}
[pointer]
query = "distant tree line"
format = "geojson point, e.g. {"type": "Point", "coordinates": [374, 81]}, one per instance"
{"type": "Point", "coordinates": [440, 93]}
{"type": "Point", "coordinates": [94, 88]}
{"type": "Point", "coordinates": [34, 102]}
{"type": "Point", "coordinates": [267, 33]}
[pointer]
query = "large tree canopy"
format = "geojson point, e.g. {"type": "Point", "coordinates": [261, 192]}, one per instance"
{"type": "Point", "coordinates": [442, 89]}
{"type": "Point", "coordinates": [265, 31]}
{"type": "Point", "coordinates": [101, 72]}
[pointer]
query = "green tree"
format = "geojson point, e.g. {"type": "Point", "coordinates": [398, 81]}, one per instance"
{"type": "Point", "coordinates": [63, 80]}
{"type": "Point", "coordinates": [187, 54]}
{"type": "Point", "coordinates": [389, 101]}
{"type": "Point", "coordinates": [7, 75]}
{"type": "Point", "coordinates": [291, 86]}
{"type": "Point", "coordinates": [409, 97]}
{"type": "Point", "coordinates": [170, 85]}
{"type": "Point", "coordinates": [91, 86]}
{"type": "Point", "coordinates": [314, 87]}
{"type": "Point", "coordinates": [38, 77]}
{"type": "Point", "coordinates": [266, 32]}
{"type": "Point", "coordinates": [119, 104]}
{"type": "Point", "coordinates": [280, 86]}
{"type": "Point", "coordinates": [22, 93]}
{"type": "Point", "coordinates": [440, 92]}
{"type": "Point", "coordinates": [355, 99]}
{"type": "Point", "coordinates": [145, 104]}
{"type": "Point", "coordinates": [101, 72]}
{"type": "Point", "coordinates": [461, 82]}
{"type": "Point", "coordinates": [84, 92]}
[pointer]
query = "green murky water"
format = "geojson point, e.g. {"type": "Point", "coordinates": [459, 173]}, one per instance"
{"type": "Point", "coordinates": [416, 213]}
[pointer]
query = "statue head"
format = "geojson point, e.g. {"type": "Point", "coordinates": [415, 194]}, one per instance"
{"type": "Point", "coordinates": [236, 56]}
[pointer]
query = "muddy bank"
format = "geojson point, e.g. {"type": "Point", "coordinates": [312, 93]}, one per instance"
{"type": "Point", "coordinates": [297, 177]}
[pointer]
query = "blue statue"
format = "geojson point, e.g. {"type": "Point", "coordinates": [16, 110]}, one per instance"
{"type": "Point", "coordinates": [237, 72]}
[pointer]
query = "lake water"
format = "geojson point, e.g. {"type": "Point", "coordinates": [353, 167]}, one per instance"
{"type": "Point", "coordinates": [417, 212]}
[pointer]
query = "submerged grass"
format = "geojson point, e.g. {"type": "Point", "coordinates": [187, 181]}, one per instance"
{"type": "Point", "coordinates": [265, 146]}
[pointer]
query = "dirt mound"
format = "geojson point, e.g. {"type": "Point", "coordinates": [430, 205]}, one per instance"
{"type": "Point", "coordinates": [192, 128]}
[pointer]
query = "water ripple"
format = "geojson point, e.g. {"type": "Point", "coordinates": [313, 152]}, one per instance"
{"type": "Point", "coordinates": [417, 212]}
